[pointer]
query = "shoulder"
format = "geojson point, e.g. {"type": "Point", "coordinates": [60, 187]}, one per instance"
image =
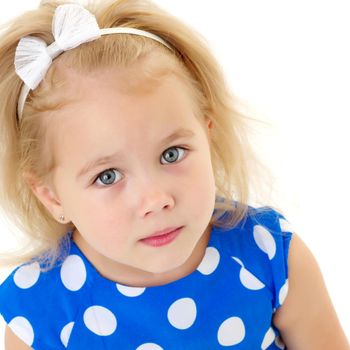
{"type": "Point", "coordinates": [260, 245]}
{"type": "Point", "coordinates": [264, 232]}
{"type": "Point", "coordinates": [307, 318]}
{"type": "Point", "coordinates": [260, 227]}
{"type": "Point", "coordinates": [28, 296]}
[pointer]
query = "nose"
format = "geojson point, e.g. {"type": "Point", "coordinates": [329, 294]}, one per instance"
{"type": "Point", "coordinates": [153, 199]}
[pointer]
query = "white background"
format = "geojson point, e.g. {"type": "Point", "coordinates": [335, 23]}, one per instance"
{"type": "Point", "coordinates": [289, 62]}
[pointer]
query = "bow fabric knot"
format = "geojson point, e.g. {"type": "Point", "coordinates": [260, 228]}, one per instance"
{"type": "Point", "coordinates": [72, 25]}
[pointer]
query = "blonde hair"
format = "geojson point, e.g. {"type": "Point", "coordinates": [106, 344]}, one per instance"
{"type": "Point", "coordinates": [25, 147]}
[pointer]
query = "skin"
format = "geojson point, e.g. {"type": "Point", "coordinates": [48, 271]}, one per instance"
{"type": "Point", "coordinates": [149, 192]}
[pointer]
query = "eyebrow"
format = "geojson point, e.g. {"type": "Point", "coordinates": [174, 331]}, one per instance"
{"type": "Point", "coordinates": [89, 166]}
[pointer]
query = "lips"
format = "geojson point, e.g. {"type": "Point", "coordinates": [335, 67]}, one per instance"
{"type": "Point", "coordinates": [162, 232]}
{"type": "Point", "coordinates": [166, 237]}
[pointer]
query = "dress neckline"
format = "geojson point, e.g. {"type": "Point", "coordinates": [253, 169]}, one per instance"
{"type": "Point", "coordinates": [95, 276]}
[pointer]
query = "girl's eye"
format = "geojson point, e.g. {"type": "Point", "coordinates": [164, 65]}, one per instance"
{"type": "Point", "coordinates": [107, 177]}
{"type": "Point", "coordinates": [171, 155]}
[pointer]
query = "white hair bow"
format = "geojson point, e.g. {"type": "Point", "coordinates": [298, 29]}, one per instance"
{"type": "Point", "coordinates": [72, 25]}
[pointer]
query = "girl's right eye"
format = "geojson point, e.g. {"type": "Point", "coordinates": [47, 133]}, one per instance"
{"type": "Point", "coordinates": [107, 177]}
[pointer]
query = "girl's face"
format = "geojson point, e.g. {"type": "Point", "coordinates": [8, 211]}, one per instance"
{"type": "Point", "coordinates": [129, 165]}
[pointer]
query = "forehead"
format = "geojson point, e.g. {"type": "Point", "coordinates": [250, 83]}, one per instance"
{"type": "Point", "coordinates": [106, 115]}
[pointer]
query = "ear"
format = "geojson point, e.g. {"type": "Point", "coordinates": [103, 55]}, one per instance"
{"type": "Point", "coordinates": [46, 194]}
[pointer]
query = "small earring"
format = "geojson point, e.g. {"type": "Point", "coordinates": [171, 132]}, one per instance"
{"type": "Point", "coordinates": [61, 218]}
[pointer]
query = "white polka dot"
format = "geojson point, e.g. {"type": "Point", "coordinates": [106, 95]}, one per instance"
{"type": "Point", "coordinates": [182, 313]}
{"type": "Point", "coordinates": [130, 291]}
{"type": "Point", "coordinates": [23, 329]}
{"type": "Point", "coordinates": [66, 332]}
{"type": "Point", "coordinates": [268, 339]}
{"type": "Point", "coordinates": [279, 343]}
{"type": "Point", "coordinates": [210, 261]}
{"type": "Point", "coordinates": [73, 272]}
{"type": "Point", "coordinates": [283, 292]}
{"type": "Point", "coordinates": [27, 275]}
{"type": "Point", "coordinates": [265, 241]}
{"type": "Point", "coordinates": [247, 278]}
{"type": "Point", "coordinates": [100, 320]}
{"type": "Point", "coordinates": [231, 331]}
{"type": "Point", "coordinates": [286, 226]}
{"type": "Point", "coordinates": [149, 346]}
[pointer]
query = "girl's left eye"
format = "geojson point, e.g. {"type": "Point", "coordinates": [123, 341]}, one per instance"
{"type": "Point", "coordinates": [172, 154]}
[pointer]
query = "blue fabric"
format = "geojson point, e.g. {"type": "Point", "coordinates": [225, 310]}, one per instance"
{"type": "Point", "coordinates": [226, 303]}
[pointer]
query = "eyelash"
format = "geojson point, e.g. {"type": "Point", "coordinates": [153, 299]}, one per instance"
{"type": "Point", "coordinates": [173, 147]}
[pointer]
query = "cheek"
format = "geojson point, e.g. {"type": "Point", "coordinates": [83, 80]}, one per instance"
{"type": "Point", "coordinates": [99, 210]}
{"type": "Point", "coordinates": [101, 224]}
{"type": "Point", "coordinates": [203, 173]}
{"type": "Point", "coordinates": [201, 189]}
{"type": "Point", "coordinates": [110, 213]}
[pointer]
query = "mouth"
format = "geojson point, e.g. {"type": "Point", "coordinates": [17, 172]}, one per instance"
{"type": "Point", "coordinates": [163, 237]}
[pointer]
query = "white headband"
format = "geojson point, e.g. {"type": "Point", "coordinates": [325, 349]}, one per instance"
{"type": "Point", "coordinates": [72, 25]}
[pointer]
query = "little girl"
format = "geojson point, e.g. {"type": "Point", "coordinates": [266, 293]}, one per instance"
{"type": "Point", "coordinates": [125, 163]}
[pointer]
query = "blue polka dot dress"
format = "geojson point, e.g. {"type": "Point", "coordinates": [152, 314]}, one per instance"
{"type": "Point", "coordinates": [227, 303]}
